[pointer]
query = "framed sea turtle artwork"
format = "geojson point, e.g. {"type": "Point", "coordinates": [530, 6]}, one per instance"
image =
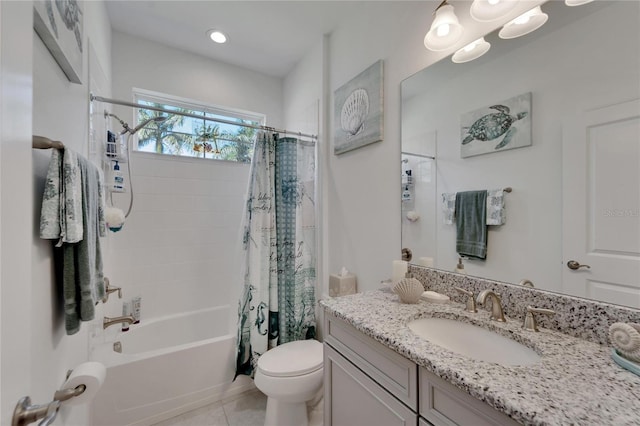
{"type": "Point", "coordinates": [501, 126]}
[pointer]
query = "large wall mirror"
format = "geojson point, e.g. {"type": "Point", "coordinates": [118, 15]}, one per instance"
{"type": "Point", "coordinates": [575, 189]}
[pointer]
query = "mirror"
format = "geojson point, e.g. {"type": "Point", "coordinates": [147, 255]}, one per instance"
{"type": "Point", "coordinates": [583, 58]}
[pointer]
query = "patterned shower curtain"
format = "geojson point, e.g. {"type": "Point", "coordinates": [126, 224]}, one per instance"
{"type": "Point", "coordinates": [278, 301]}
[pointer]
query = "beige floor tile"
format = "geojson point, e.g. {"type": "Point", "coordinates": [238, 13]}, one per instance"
{"type": "Point", "coordinates": [247, 411]}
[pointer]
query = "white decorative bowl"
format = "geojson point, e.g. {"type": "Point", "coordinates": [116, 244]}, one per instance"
{"type": "Point", "coordinates": [409, 290]}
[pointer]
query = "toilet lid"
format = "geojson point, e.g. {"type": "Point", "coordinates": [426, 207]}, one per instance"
{"type": "Point", "coordinates": [292, 359]}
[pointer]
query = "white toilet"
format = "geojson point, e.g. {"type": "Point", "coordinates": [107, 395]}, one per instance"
{"type": "Point", "coordinates": [290, 375]}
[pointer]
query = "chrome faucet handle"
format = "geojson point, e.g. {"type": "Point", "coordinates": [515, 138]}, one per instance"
{"type": "Point", "coordinates": [470, 305]}
{"type": "Point", "coordinates": [530, 320]}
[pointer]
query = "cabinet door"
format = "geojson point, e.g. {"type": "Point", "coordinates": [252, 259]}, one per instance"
{"type": "Point", "coordinates": [443, 404]}
{"type": "Point", "coordinates": [351, 398]}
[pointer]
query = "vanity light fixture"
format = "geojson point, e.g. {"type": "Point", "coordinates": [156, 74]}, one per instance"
{"type": "Point", "coordinates": [217, 36]}
{"type": "Point", "coordinates": [471, 51]}
{"type": "Point", "coordinates": [576, 2]}
{"type": "Point", "coordinates": [445, 30]}
{"type": "Point", "coordinates": [489, 10]}
{"type": "Point", "coordinates": [524, 24]}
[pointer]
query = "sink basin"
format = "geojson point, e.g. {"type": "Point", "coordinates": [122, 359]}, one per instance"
{"type": "Point", "coordinates": [473, 341]}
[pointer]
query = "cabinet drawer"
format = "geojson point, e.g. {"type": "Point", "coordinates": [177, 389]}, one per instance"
{"type": "Point", "coordinates": [441, 403]}
{"type": "Point", "coordinates": [351, 398]}
{"type": "Point", "coordinates": [392, 371]}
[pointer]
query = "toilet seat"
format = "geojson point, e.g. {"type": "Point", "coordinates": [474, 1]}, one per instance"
{"type": "Point", "coordinates": [292, 359]}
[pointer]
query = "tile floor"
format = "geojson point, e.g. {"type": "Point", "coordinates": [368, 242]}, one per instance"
{"type": "Point", "coordinates": [247, 409]}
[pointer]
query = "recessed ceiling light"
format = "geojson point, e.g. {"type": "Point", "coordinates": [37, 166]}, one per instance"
{"type": "Point", "coordinates": [217, 36]}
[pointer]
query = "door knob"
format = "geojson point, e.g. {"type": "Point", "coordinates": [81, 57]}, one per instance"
{"type": "Point", "coordinates": [572, 264]}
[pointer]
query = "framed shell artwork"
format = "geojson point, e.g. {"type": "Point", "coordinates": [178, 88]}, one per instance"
{"type": "Point", "coordinates": [59, 24]}
{"type": "Point", "coordinates": [358, 110]}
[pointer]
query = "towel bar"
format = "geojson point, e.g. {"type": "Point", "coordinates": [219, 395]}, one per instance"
{"type": "Point", "coordinates": [41, 142]}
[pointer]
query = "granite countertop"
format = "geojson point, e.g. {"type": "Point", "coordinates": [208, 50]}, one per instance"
{"type": "Point", "coordinates": [576, 382]}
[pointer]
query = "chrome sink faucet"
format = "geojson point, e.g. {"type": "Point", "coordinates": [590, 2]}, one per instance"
{"type": "Point", "coordinates": [496, 304]}
{"type": "Point", "coordinates": [127, 319]}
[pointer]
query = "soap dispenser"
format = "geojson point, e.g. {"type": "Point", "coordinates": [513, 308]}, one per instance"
{"type": "Point", "coordinates": [406, 194]}
{"type": "Point", "coordinates": [460, 267]}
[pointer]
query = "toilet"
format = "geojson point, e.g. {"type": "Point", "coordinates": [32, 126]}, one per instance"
{"type": "Point", "coordinates": [290, 375]}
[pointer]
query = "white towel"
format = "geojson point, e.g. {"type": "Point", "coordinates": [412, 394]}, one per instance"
{"type": "Point", "coordinates": [496, 214]}
{"type": "Point", "coordinates": [448, 207]}
{"type": "Point", "coordinates": [625, 338]}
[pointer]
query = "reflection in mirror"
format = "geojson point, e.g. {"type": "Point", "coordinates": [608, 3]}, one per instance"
{"type": "Point", "coordinates": [584, 59]}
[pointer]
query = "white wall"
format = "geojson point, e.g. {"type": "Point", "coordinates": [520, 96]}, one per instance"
{"type": "Point", "coordinates": [180, 247]}
{"type": "Point", "coordinates": [363, 185]}
{"type": "Point", "coordinates": [147, 65]}
{"type": "Point", "coordinates": [60, 112]}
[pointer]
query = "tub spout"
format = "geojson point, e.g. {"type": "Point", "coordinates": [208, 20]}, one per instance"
{"type": "Point", "coordinates": [128, 319]}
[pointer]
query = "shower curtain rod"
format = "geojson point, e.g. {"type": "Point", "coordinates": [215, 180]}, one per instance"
{"type": "Point", "coordinates": [200, 117]}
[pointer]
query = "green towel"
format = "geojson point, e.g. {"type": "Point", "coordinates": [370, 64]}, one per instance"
{"type": "Point", "coordinates": [471, 224]}
{"type": "Point", "coordinates": [82, 277]}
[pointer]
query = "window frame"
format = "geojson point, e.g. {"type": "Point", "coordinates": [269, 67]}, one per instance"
{"type": "Point", "coordinates": [193, 105]}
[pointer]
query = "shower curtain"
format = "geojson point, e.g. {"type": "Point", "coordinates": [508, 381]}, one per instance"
{"type": "Point", "coordinates": [278, 301]}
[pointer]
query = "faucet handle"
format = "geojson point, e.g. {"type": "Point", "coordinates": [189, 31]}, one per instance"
{"type": "Point", "coordinates": [530, 320]}
{"type": "Point", "coordinates": [108, 289]}
{"type": "Point", "coordinates": [471, 300]}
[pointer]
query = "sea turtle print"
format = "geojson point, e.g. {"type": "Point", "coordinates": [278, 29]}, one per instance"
{"type": "Point", "coordinates": [494, 125]}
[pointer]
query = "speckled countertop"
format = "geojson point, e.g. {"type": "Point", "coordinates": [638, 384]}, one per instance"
{"type": "Point", "coordinates": [576, 382]}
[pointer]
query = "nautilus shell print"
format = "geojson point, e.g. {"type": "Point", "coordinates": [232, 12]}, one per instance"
{"type": "Point", "coordinates": [354, 112]}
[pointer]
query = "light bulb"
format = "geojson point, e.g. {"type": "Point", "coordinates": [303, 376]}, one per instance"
{"type": "Point", "coordinates": [524, 24]}
{"type": "Point", "coordinates": [217, 36]}
{"type": "Point", "coordinates": [443, 30]}
{"type": "Point", "coordinates": [471, 51]}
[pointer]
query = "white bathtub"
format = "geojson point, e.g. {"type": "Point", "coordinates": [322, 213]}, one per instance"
{"type": "Point", "coordinates": [167, 367]}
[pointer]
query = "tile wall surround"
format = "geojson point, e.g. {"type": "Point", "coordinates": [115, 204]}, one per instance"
{"type": "Point", "coordinates": [179, 247]}
{"type": "Point", "coordinates": [578, 317]}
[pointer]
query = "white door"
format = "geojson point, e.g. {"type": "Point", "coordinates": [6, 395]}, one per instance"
{"type": "Point", "coordinates": [601, 204]}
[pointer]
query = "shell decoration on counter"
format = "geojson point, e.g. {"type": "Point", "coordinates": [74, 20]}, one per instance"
{"type": "Point", "coordinates": [409, 290]}
{"type": "Point", "coordinates": [354, 112]}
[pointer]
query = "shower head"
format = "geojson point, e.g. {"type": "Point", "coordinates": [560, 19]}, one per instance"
{"type": "Point", "coordinates": [158, 119]}
{"type": "Point", "coordinates": [133, 131]}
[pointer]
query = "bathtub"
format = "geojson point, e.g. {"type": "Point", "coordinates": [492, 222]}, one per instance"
{"type": "Point", "coordinates": [168, 366]}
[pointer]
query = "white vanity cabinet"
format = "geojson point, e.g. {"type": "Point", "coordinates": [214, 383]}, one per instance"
{"type": "Point", "coordinates": [368, 384]}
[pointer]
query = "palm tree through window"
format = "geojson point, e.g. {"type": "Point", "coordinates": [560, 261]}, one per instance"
{"type": "Point", "coordinates": [196, 137]}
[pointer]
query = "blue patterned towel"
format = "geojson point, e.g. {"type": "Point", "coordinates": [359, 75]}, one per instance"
{"type": "Point", "coordinates": [61, 213]}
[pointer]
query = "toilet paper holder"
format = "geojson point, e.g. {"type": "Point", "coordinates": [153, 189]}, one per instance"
{"type": "Point", "coordinates": [25, 413]}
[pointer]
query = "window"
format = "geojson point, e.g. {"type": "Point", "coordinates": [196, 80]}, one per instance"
{"type": "Point", "coordinates": [195, 137]}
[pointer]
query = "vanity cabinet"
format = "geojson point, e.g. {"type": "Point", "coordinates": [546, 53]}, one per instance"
{"type": "Point", "coordinates": [366, 383]}
{"type": "Point", "coordinates": [441, 403]}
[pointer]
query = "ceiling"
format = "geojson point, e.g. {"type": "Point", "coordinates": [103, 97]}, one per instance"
{"type": "Point", "coordinates": [265, 36]}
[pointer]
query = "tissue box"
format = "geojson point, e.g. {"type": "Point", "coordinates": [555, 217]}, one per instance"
{"type": "Point", "coordinates": [342, 285]}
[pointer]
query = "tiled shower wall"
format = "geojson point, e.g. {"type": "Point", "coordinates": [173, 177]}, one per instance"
{"type": "Point", "coordinates": [180, 247]}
